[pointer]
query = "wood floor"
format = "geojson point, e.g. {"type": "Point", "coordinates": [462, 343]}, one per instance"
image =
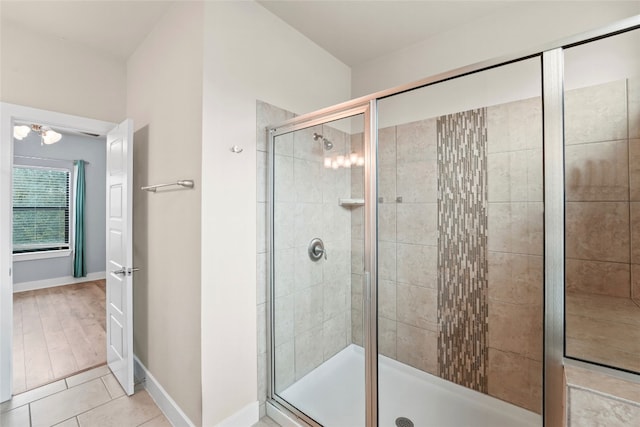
{"type": "Point", "coordinates": [57, 332]}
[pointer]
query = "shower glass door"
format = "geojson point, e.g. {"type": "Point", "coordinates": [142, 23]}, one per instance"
{"type": "Point", "coordinates": [460, 244]}
{"type": "Point", "coordinates": [317, 271]}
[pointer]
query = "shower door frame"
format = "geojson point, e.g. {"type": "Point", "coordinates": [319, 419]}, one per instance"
{"type": "Point", "coordinates": [551, 57]}
{"type": "Point", "coordinates": [370, 330]}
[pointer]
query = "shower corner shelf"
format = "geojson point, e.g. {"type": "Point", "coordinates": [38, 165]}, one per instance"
{"type": "Point", "coordinates": [351, 203]}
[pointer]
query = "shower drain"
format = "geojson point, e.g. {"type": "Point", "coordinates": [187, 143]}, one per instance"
{"type": "Point", "coordinates": [403, 422]}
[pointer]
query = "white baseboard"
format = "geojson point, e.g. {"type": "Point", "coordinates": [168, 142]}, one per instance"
{"type": "Point", "coordinates": [57, 281]}
{"type": "Point", "coordinates": [245, 417]}
{"type": "Point", "coordinates": [167, 405]}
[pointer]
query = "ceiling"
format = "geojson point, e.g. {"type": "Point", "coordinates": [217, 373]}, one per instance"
{"type": "Point", "coordinates": [113, 27]}
{"type": "Point", "coordinates": [352, 31]}
{"type": "Point", "coordinates": [358, 31]}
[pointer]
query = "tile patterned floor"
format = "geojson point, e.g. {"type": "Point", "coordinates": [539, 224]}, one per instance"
{"type": "Point", "coordinates": [90, 399]}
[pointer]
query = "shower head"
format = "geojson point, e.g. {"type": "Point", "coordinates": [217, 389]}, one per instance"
{"type": "Point", "coordinates": [328, 145]}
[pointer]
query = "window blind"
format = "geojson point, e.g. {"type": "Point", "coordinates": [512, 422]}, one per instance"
{"type": "Point", "coordinates": [40, 209]}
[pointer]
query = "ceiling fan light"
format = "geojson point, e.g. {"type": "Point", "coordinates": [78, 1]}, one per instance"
{"type": "Point", "coordinates": [50, 137]}
{"type": "Point", "coordinates": [20, 132]}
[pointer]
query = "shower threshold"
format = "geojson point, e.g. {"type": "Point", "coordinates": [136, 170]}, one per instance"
{"type": "Point", "coordinates": [333, 395]}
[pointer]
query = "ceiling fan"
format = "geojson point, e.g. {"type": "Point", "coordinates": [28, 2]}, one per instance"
{"type": "Point", "coordinates": [47, 134]}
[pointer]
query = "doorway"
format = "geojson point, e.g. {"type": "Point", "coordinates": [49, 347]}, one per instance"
{"type": "Point", "coordinates": [118, 289]}
{"type": "Point", "coordinates": [58, 254]}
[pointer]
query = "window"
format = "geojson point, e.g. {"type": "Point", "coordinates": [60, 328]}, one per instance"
{"type": "Point", "coordinates": [41, 209]}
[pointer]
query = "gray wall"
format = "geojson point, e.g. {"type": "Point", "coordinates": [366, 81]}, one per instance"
{"type": "Point", "coordinates": [71, 147]}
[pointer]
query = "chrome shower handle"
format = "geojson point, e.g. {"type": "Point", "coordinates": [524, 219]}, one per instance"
{"type": "Point", "coordinates": [316, 249]}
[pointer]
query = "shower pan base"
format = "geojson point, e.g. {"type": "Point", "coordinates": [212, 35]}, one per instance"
{"type": "Point", "coordinates": [333, 394]}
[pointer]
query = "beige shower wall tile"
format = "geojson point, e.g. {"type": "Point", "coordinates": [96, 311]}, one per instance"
{"type": "Point", "coordinates": [387, 222]}
{"type": "Point", "coordinates": [308, 309]}
{"type": "Point", "coordinates": [357, 284]}
{"type": "Point", "coordinates": [596, 113]}
{"type": "Point", "coordinates": [417, 265]}
{"type": "Point", "coordinates": [416, 141]}
{"type": "Point", "coordinates": [308, 351]}
{"type": "Point", "coordinates": [387, 337]}
{"type": "Point", "coordinates": [515, 278]}
{"type": "Point", "coordinates": [267, 114]}
{"type": "Point", "coordinates": [261, 321]}
{"type": "Point", "coordinates": [602, 383]}
{"type": "Point", "coordinates": [417, 181]}
{"type": "Point", "coordinates": [515, 227]}
{"type": "Point", "coordinates": [588, 409]}
{"type": "Point", "coordinates": [596, 277]}
{"type": "Point", "coordinates": [304, 146]}
{"type": "Point", "coordinates": [600, 350]}
{"type": "Point", "coordinates": [613, 339]}
{"type": "Point", "coordinates": [261, 278]}
{"type": "Point", "coordinates": [514, 176]}
{"type": "Point", "coordinates": [357, 334]}
{"type": "Point", "coordinates": [283, 319]}
{"type": "Point", "coordinates": [387, 181]}
{"type": "Point", "coordinates": [306, 272]}
{"type": "Point", "coordinates": [633, 87]}
{"type": "Point", "coordinates": [336, 184]}
{"type": "Point", "coordinates": [516, 328]}
{"type": "Point", "coordinates": [356, 142]}
{"type": "Point", "coordinates": [262, 377]}
{"type": "Point", "coordinates": [386, 261]}
{"type": "Point", "coordinates": [337, 298]}
{"type": "Point", "coordinates": [284, 144]}
{"type": "Point", "coordinates": [515, 379]}
{"type": "Point", "coordinates": [418, 348]}
{"type": "Point", "coordinates": [261, 176]}
{"type": "Point", "coordinates": [357, 183]}
{"type": "Point", "coordinates": [417, 223]}
{"type": "Point", "coordinates": [387, 299]}
{"type": "Point", "coordinates": [597, 231]}
{"type": "Point", "coordinates": [514, 126]}
{"type": "Point", "coordinates": [635, 232]}
{"type": "Point", "coordinates": [307, 180]}
{"type": "Point", "coordinates": [597, 171]}
{"type": "Point", "coordinates": [634, 170]}
{"type": "Point", "coordinates": [608, 309]}
{"type": "Point", "coordinates": [386, 147]}
{"type": "Point", "coordinates": [635, 283]}
{"type": "Point", "coordinates": [284, 217]}
{"type": "Point", "coordinates": [357, 228]}
{"type": "Point", "coordinates": [284, 272]}
{"type": "Point", "coordinates": [418, 306]}
{"type": "Point", "coordinates": [357, 256]}
{"type": "Point", "coordinates": [261, 227]}
{"type": "Point", "coordinates": [336, 225]}
{"type": "Point", "coordinates": [284, 365]}
{"type": "Point", "coordinates": [334, 336]}
{"type": "Point", "coordinates": [337, 137]}
{"type": "Point", "coordinates": [499, 177]}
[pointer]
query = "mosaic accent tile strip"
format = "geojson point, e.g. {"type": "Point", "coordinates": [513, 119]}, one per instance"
{"type": "Point", "coordinates": [462, 249]}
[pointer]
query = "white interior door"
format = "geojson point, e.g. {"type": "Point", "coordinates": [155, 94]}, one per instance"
{"type": "Point", "coordinates": [119, 254]}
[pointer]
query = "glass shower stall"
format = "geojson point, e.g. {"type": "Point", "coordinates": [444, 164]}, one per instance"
{"type": "Point", "coordinates": [416, 240]}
